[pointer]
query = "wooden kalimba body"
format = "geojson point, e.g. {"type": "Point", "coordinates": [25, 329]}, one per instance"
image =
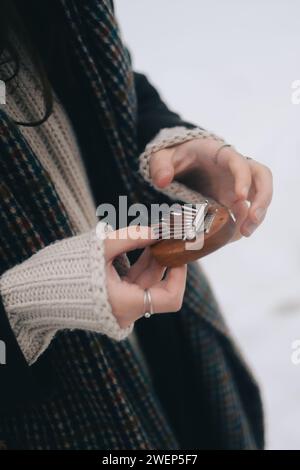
{"type": "Point", "coordinates": [192, 231]}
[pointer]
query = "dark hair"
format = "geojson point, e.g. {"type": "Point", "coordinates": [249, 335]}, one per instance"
{"type": "Point", "coordinates": [16, 19]}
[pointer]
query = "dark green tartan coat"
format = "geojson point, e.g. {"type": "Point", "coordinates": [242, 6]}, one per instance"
{"type": "Point", "coordinates": [88, 391]}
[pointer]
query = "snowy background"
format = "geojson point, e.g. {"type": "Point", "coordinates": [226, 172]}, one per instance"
{"type": "Point", "coordinates": [229, 66]}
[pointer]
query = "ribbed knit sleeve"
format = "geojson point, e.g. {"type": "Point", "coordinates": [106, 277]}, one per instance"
{"type": "Point", "coordinates": [63, 286]}
{"type": "Point", "coordinates": [168, 138]}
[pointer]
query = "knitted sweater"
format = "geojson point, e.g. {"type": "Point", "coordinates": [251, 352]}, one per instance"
{"type": "Point", "coordinates": [63, 286]}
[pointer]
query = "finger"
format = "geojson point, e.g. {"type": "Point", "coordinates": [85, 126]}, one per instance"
{"type": "Point", "coordinates": [184, 159]}
{"type": "Point", "coordinates": [145, 271]}
{"type": "Point", "coordinates": [152, 275]}
{"type": "Point", "coordinates": [139, 266]}
{"type": "Point", "coordinates": [263, 183]}
{"type": "Point", "coordinates": [127, 239]}
{"type": "Point", "coordinates": [176, 279]}
{"type": "Point", "coordinates": [167, 296]}
{"type": "Point", "coordinates": [162, 168]}
{"type": "Point", "coordinates": [240, 211]}
{"type": "Point", "coordinates": [241, 172]}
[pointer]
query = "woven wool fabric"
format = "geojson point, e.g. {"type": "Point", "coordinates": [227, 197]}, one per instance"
{"type": "Point", "coordinates": [101, 398]}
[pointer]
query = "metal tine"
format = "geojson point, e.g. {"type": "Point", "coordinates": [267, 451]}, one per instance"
{"type": "Point", "coordinates": [177, 217]}
{"type": "Point", "coordinates": [172, 234]}
{"type": "Point", "coordinates": [171, 231]}
{"type": "Point", "coordinates": [188, 216]}
{"type": "Point", "coordinates": [167, 228]}
{"type": "Point", "coordinates": [173, 228]}
{"type": "Point", "coordinates": [178, 220]}
{"type": "Point", "coordinates": [189, 206]}
{"type": "Point", "coordinates": [194, 209]}
{"type": "Point", "coordinates": [185, 213]}
{"type": "Point", "coordinates": [185, 225]}
{"type": "Point", "coordinates": [180, 236]}
{"type": "Point", "coordinates": [183, 216]}
{"type": "Point", "coordinates": [186, 210]}
{"type": "Point", "coordinates": [189, 209]}
{"type": "Point", "coordinates": [181, 229]}
{"type": "Point", "coordinates": [208, 222]}
{"type": "Point", "coordinates": [160, 224]}
{"type": "Point", "coordinates": [199, 219]}
{"type": "Point", "coordinates": [177, 236]}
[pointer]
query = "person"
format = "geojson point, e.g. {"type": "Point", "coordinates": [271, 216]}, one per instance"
{"type": "Point", "coordinates": [73, 134]}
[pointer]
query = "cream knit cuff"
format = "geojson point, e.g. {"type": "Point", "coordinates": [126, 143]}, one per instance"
{"type": "Point", "coordinates": [168, 138]}
{"type": "Point", "coordinates": [63, 286]}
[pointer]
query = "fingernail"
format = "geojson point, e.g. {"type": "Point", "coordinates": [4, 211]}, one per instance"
{"type": "Point", "coordinates": [163, 174]}
{"type": "Point", "coordinates": [249, 229]}
{"type": "Point", "coordinates": [259, 213]}
{"type": "Point", "coordinates": [161, 178]}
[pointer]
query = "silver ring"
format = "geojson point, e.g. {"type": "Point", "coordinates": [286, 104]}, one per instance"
{"type": "Point", "coordinates": [215, 157]}
{"type": "Point", "coordinates": [148, 306]}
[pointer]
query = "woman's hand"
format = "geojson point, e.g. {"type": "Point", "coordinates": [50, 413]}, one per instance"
{"type": "Point", "coordinates": [230, 179]}
{"type": "Point", "coordinates": [126, 294]}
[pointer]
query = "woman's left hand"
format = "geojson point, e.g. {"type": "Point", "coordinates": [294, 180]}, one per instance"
{"type": "Point", "coordinates": [230, 179]}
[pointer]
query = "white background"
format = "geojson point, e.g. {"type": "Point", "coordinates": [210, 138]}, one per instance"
{"type": "Point", "coordinates": [228, 65]}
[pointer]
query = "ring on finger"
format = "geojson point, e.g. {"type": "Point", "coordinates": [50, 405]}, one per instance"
{"type": "Point", "coordinates": [216, 155]}
{"type": "Point", "coordinates": [148, 304]}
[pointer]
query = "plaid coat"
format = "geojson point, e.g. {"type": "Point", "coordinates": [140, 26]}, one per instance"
{"type": "Point", "coordinates": [88, 391]}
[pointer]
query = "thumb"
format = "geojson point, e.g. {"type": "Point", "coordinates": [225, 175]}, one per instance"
{"type": "Point", "coordinates": [162, 167]}
{"type": "Point", "coordinates": [127, 239]}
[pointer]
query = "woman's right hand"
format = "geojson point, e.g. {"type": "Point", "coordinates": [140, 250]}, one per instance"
{"type": "Point", "coordinates": [126, 294]}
